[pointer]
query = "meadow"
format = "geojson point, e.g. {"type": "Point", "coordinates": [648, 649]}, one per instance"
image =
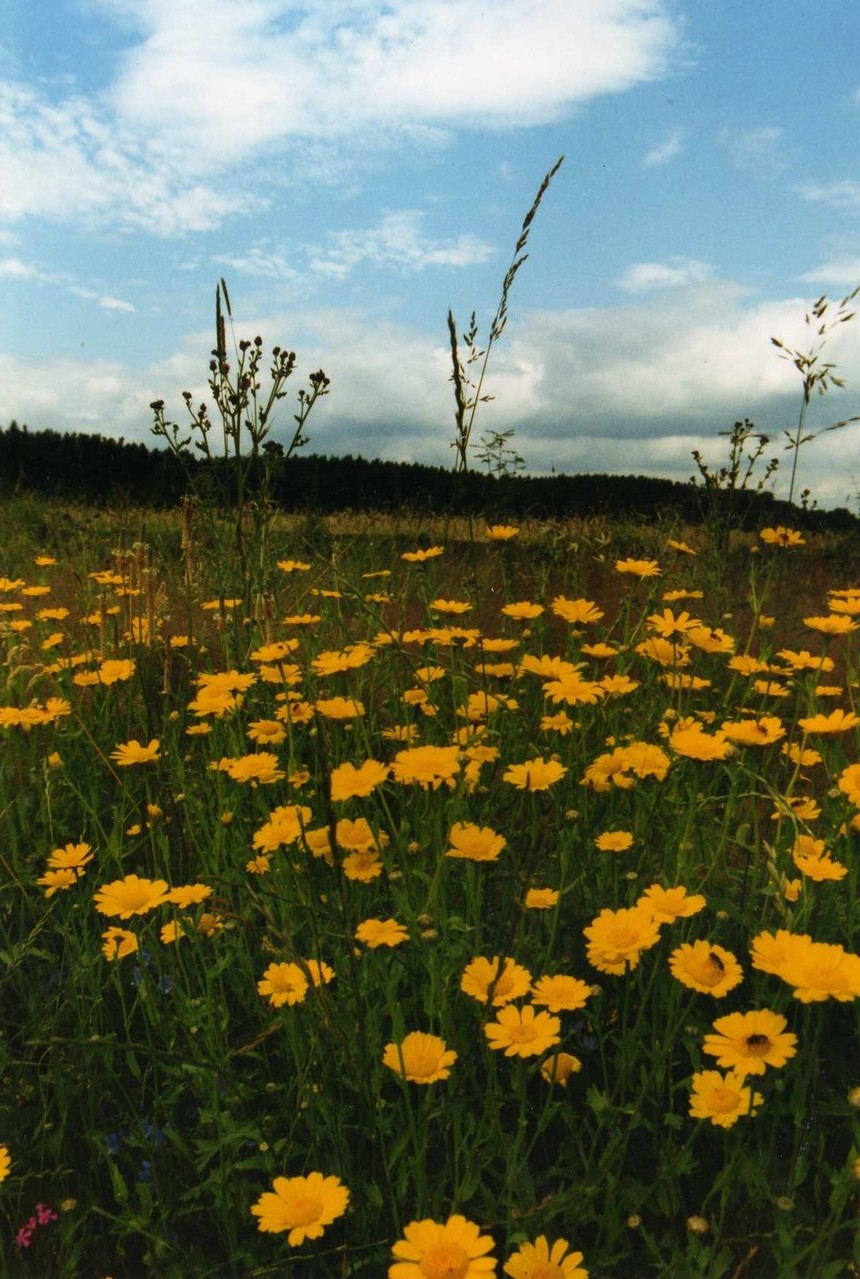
{"type": "Point", "coordinates": [429, 900]}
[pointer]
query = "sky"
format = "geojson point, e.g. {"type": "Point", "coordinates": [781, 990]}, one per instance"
{"type": "Point", "coordinates": [354, 170]}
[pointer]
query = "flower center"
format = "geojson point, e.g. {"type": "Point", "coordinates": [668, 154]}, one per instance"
{"type": "Point", "coordinates": [724, 1100]}
{"type": "Point", "coordinates": [523, 1034]}
{"type": "Point", "coordinates": [302, 1210]}
{"type": "Point", "coordinates": [445, 1261]}
{"type": "Point", "coordinates": [546, 1270]}
{"type": "Point", "coordinates": [757, 1045]}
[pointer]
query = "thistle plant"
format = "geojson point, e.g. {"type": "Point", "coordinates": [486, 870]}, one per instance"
{"type": "Point", "coordinates": [245, 462]}
{"type": "Point", "coordinates": [818, 375]}
{"type": "Point", "coordinates": [469, 390]}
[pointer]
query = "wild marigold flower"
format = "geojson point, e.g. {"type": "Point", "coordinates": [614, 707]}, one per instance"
{"type": "Point", "coordinates": [134, 752]}
{"type": "Point", "coordinates": [474, 843]}
{"type": "Point", "coordinates": [189, 895]}
{"type": "Point", "coordinates": [73, 857]}
{"type": "Point", "coordinates": [501, 532]}
{"type": "Point", "coordinates": [117, 943]}
{"type": "Point", "coordinates": [339, 707]}
{"type": "Point", "coordinates": [422, 555]}
{"type": "Point", "coordinates": [481, 975]}
{"type": "Point", "coordinates": [381, 932]}
{"type": "Point", "coordinates": [706, 967]}
{"type": "Point", "coordinates": [347, 781]}
{"type": "Point", "coordinates": [541, 898]}
{"type": "Point", "coordinates": [638, 568]}
{"type": "Point", "coordinates": [363, 866]}
{"type": "Point", "coordinates": [560, 994]}
{"type": "Point", "coordinates": [455, 1249]}
{"type": "Point", "coordinates": [429, 766]}
{"type": "Point", "coordinates": [832, 624]}
{"type": "Point", "coordinates": [577, 612]}
{"type": "Point", "coordinates": [523, 1032]}
{"type": "Point", "coordinates": [259, 769]}
{"type": "Point", "coordinates": [616, 938]}
{"type": "Point", "coordinates": [5, 1162]}
{"type": "Point", "coordinates": [812, 858]}
{"type": "Point", "coordinates": [557, 1068]}
{"type": "Point", "coordinates": [749, 1042]}
{"type": "Point", "coordinates": [534, 774]}
{"type": "Point", "coordinates": [284, 984]}
{"type": "Point", "coordinates": [301, 1206]}
{"type": "Point", "coordinates": [669, 904]}
{"type": "Point", "coordinates": [131, 896]}
{"type": "Point", "coordinates": [722, 1098]}
{"type": "Point", "coordinates": [694, 743]}
{"type": "Point", "coordinates": [614, 841]}
{"type": "Point", "coordinates": [816, 970]}
{"type": "Point", "coordinates": [420, 1058]}
{"type": "Point", "coordinates": [754, 732]}
{"type": "Point", "coordinates": [522, 610]}
{"type": "Point", "coordinates": [113, 671]}
{"type": "Point", "coordinates": [54, 881]}
{"type": "Point", "coordinates": [837, 721]}
{"type": "Point", "coordinates": [782, 536]}
{"type": "Point", "coordinates": [539, 1260]}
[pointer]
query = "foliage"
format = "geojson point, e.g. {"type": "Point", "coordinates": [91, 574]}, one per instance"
{"type": "Point", "coordinates": [151, 1100]}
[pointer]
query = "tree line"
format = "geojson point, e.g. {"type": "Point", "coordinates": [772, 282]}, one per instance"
{"type": "Point", "coordinates": [98, 470]}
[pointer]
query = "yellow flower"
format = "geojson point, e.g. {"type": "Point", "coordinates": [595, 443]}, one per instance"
{"type": "Point", "coordinates": [816, 970]}
{"type": "Point", "coordinates": [614, 841]}
{"type": "Point", "coordinates": [453, 607]}
{"type": "Point", "coordinates": [381, 932]}
{"type": "Point", "coordinates": [523, 1032]}
{"type": "Point", "coordinates": [134, 752]}
{"type": "Point", "coordinates": [270, 731]}
{"type": "Point", "coordinates": [5, 1162]}
{"type": "Point", "coordinates": [560, 994]}
{"type": "Point", "coordinates": [302, 1206]}
{"type": "Point", "coordinates": [706, 967]}
{"type": "Point", "coordinates": [722, 1098]}
{"type": "Point", "coordinates": [481, 975]}
{"type": "Point", "coordinates": [616, 938]}
{"type": "Point", "coordinates": [284, 984]}
{"type": "Point", "coordinates": [117, 943]}
{"type": "Point", "coordinates": [832, 624]}
{"type": "Point", "coordinates": [540, 1261]}
{"type": "Point", "coordinates": [754, 732]}
{"type": "Point", "coordinates": [189, 895]}
{"type": "Point", "coordinates": [749, 1042]}
{"type": "Point", "coordinates": [669, 904]}
{"type": "Point", "coordinates": [782, 536]}
{"type": "Point", "coordinates": [541, 899]}
{"type": "Point", "coordinates": [455, 1249]}
{"type": "Point", "coordinates": [803, 660]}
{"type": "Point", "coordinates": [534, 774]}
{"type": "Point", "coordinates": [577, 612]}
{"type": "Point", "coordinates": [72, 857]}
{"type": "Point", "coordinates": [474, 843]}
{"type": "Point", "coordinates": [837, 721]}
{"type": "Point", "coordinates": [362, 866]}
{"type": "Point", "coordinates": [130, 896]}
{"type": "Point", "coordinates": [347, 781]}
{"type": "Point", "coordinates": [694, 743]}
{"type": "Point", "coordinates": [259, 769]}
{"type": "Point", "coordinates": [522, 610]}
{"type": "Point", "coordinates": [339, 707]}
{"type": "Point", "coordinates": [421, 555]}
{"type": "Point", "coordinates": [557, 1068]}
{"type": "Point", "coordinates": [429, 766]}
{"type": "Point", "coordinates": [639, 568]}
{"type": "Point", "coordinates": [54, 881]}
{"type": "Point", "coordinates": [293, 566]}
{"type": "Point", "coordinates": [420, 1058]}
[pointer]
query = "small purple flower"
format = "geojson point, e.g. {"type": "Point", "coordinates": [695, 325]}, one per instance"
{"type": "Point", "coordinates": [23, 1237]}
{"type": "Point", "coordinates": [45, 1213]}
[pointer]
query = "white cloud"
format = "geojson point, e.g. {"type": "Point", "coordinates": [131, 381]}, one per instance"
{"type": "Point", "coordinates": [204, 87]}
{"type": "Point", "coordinates": [107, 303]}
{"type": "Point", "coordinates": [14, 268]}
{"type": "Point", "coordinates": [758, 150]}
{"type": "Point", "coordinates": [397, 241]}
{"type": "Point", "coordinates": [676, 272]}
{"type": "Point", "coordinates": [630, 389]}
{"type": "Point", "coordinates": [666, 150]}
{"type": "Point", "coordinates": [842, 271]}
{"type": "Point", "coordinates": [839, 195]}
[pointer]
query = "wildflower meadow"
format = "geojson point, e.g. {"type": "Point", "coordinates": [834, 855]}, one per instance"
{"type": "Point", "coordinates": [462, 902]}
{"type": "Point", "coordinates": [415, 898]}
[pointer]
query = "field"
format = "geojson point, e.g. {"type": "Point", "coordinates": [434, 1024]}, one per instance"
{"type": "Point", "coordinates": [425, 900]}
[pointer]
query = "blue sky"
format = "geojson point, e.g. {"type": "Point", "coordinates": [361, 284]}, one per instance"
{"type": "Point", "coordinates": [354, 169]}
